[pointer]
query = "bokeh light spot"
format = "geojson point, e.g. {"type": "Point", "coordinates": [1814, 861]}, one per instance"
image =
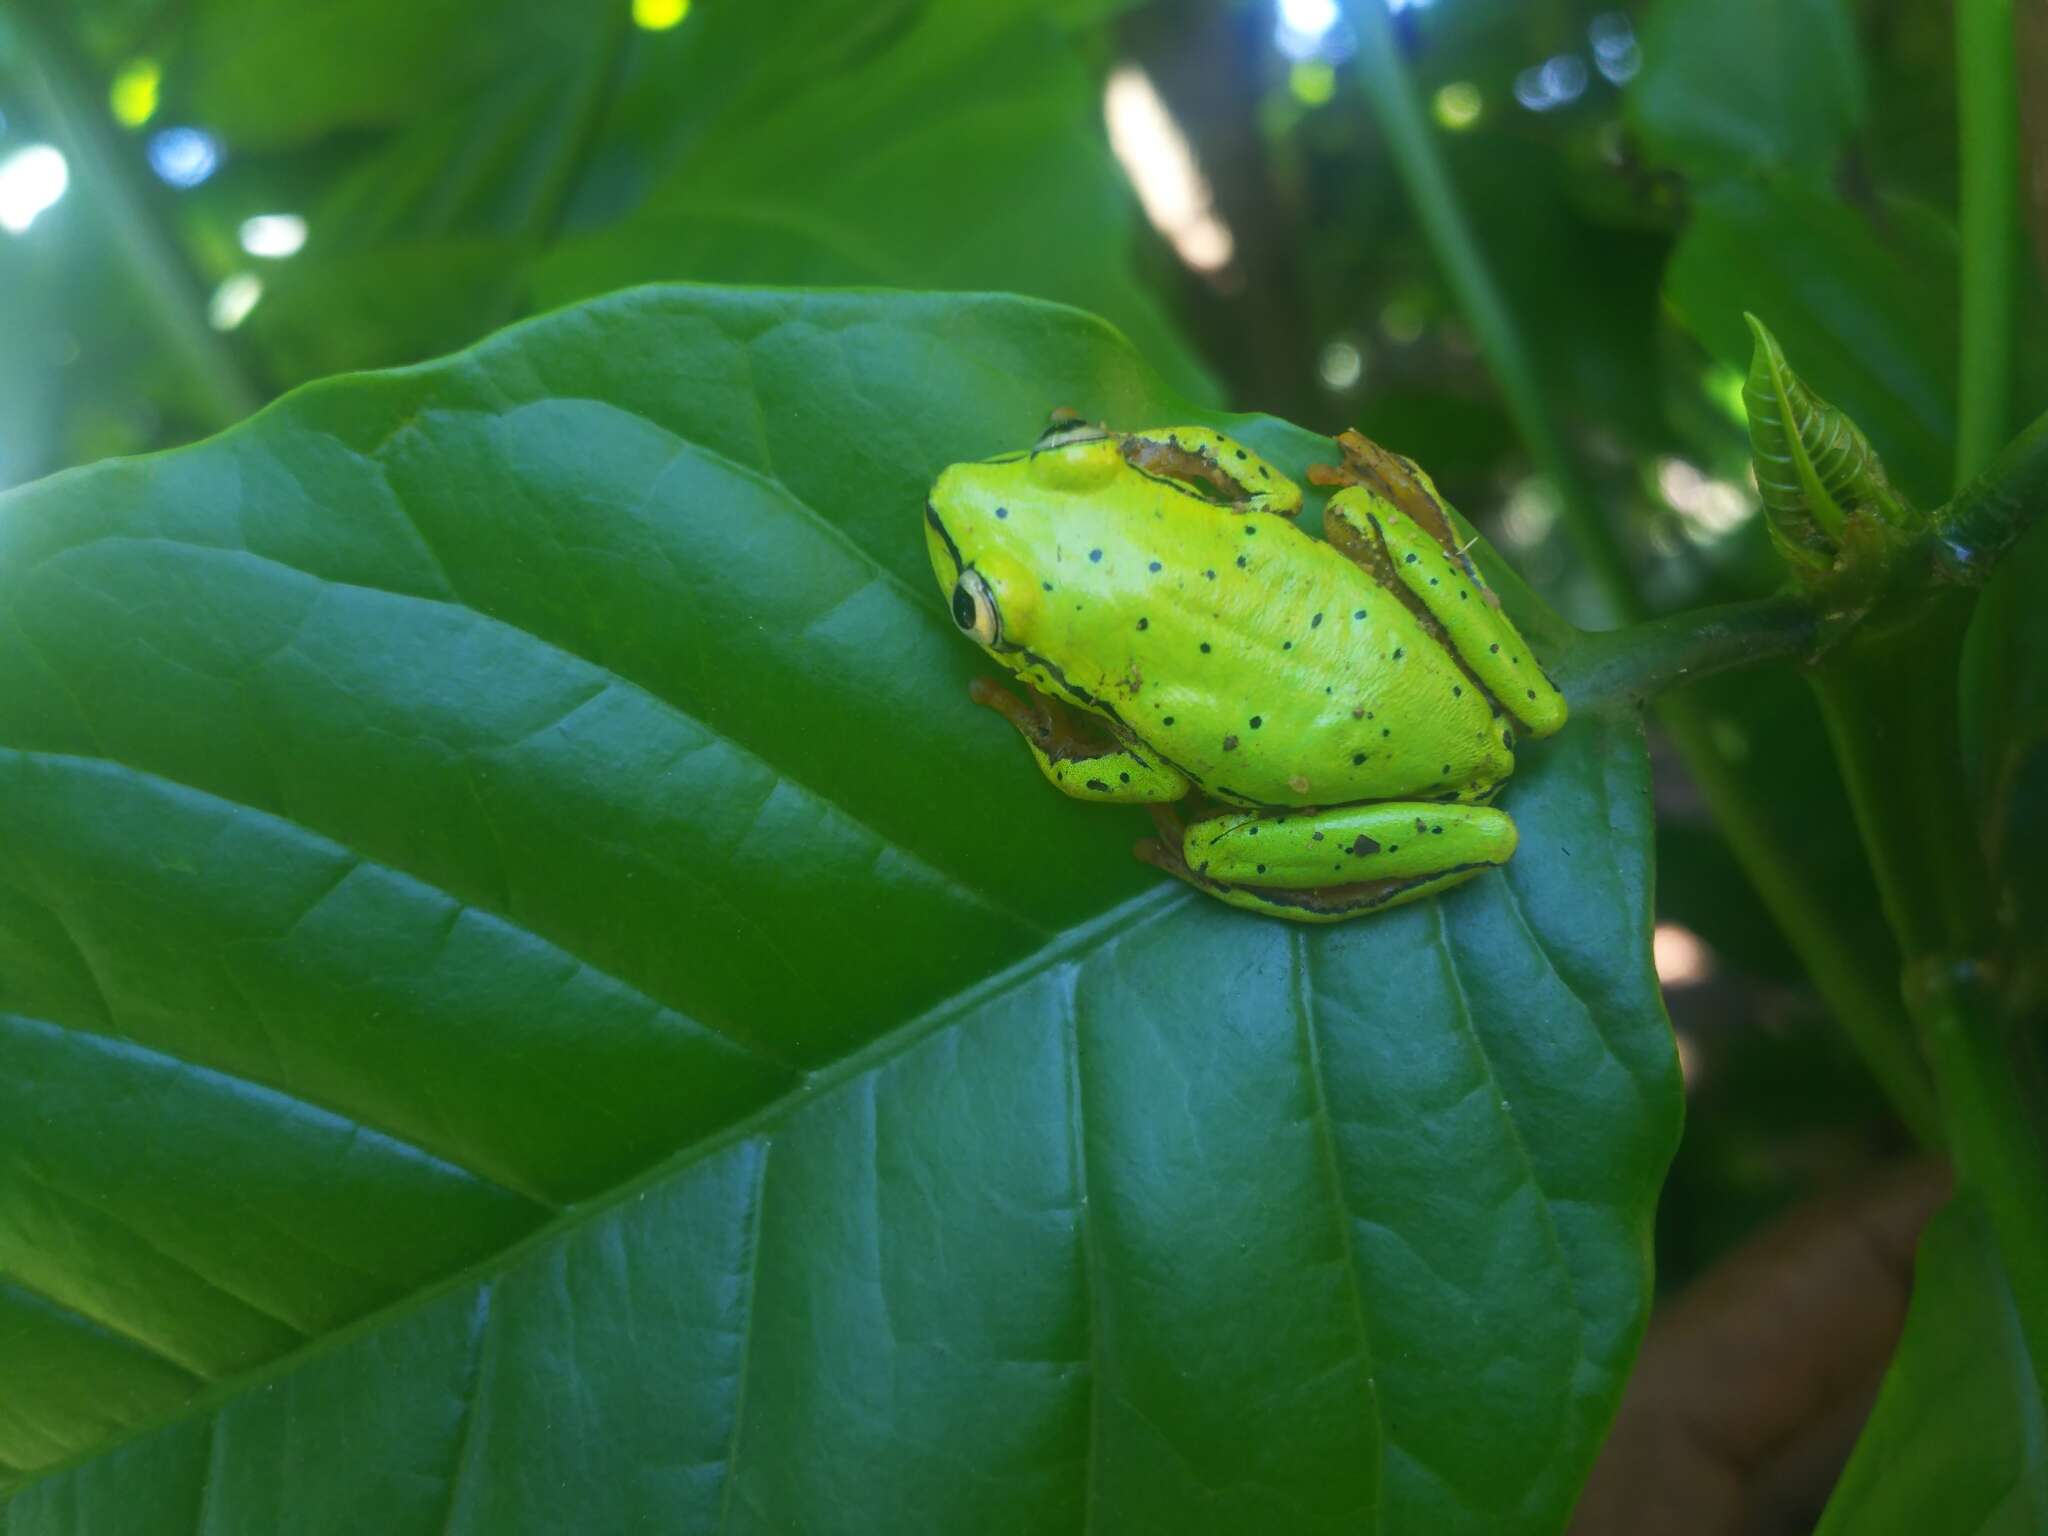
{"type": "Point", "coordinates": [1402, 321]}
{"type": "Point", "coordinates": [1529, 514]}
{"type": "Point", "coordinates": [1309, 15]}
{"type": "Point", "coordinates": [1681, 955]}
{"type": "Point", "coordinates": [132, 97]}
{"type": "Point", "coordinates": [273, 235]}
{"type": "Point", "coordinates": [31, 180]}
{"type": "Point", "coordinates": [183, 157]}
{"type": "Point", "coordinates": [1709, 509]}
{"type": "Point", "coordinates": [232, 301]}
{"type": "Point", "coordinates": [1556, 82]}
{"type": "Point", "coordinates": [1312, 83]}
{"type": "Point", "coordinates": [659, 15]}
{"type": "Point", "coordinates": [1161, 165]}
{"type": "Point", "coordinates": [1342, 365]}
{"type": "Point", "coordinates": [1457, 106]}
{"type": "Point", "coordinates": [1615, 51]}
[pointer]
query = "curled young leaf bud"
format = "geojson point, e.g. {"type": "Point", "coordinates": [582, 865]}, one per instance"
{"type": "Point", "coordinates": [1825, 493]}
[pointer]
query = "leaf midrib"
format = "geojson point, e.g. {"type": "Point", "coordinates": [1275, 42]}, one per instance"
{"type": "Point", "coordinates": [1126, 918]}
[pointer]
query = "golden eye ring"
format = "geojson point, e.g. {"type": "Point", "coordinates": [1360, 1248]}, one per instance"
{"type": "Point", "coordinates": [974, 608]}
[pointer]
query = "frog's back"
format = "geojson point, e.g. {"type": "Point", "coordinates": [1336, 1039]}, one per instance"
{"type": "Point", "coordinates": [1262, 662]}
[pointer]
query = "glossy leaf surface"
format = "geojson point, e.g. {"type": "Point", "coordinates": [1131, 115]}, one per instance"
{"type": "Point", "coordinates": [530, 1000]}
{"type": "Point", "coordinates": [1732, 86]}
{"type": "Point", "coordinates": [934, 147]}
{"type": "Point", "coordinates": [1956, 1442]}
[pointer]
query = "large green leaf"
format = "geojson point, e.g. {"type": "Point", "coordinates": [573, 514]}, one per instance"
{"type": "Point", "coordinates": [963, 150]}
{"type": "Point", "coordinates": [1956, 1442]}
{"type": "Point", "coordinates": [530, 1001]}
{"type": "Point", "coordinates": [267, 76]}
{"type": "Point", "coordinates": [1732, 86]}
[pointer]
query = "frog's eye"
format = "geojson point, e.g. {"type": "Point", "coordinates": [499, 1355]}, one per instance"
{"type": "Point", "coordinates": [974, 608]}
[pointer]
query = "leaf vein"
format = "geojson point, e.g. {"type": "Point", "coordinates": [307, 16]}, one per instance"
{"type": "Point", "coordinates": [749, 1309]}
{"type": "Point", "coordinates": [1303, 992]}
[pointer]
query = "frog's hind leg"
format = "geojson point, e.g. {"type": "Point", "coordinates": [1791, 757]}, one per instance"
{"type": "Point", "coordinates": [1395, 546]}
{"type": "Point", "coordinates": [1075, 764]}
{"type": "Point", "coordinates": [1330, 904]}
{"type": "Point", "coordinates": [1328, 865]}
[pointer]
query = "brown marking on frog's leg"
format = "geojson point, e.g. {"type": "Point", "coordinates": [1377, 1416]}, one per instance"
{"type": "Point", "coordinates": [1365, 550]}
{"type": "Point", "coordinates": [1491, 652]}
{"type": "Point", "coordinates": [1163, 852]}
{"type": "Point", "coordinates": [1170, 826]}
{"type": "Point", "coordinates": [1045, 722]}
{"type": "Point", "coordinates": [1032, 724]}
{"type": "Point", "coordinates": [1401, 481]}
{"type": "Point", "coordinates": [1362, 543]}
{"type": "Point", "coordinates": [1172, 461]}
{"type": "Point", "coordinates": [1098, 764]}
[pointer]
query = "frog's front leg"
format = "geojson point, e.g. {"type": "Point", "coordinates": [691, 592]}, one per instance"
{"type": "Point", "coordinates": [1087, 769]}
{"type": "Point", "coordinates": [1201, 453]}
{"type": "Point", "coordinates": [1322, 866]}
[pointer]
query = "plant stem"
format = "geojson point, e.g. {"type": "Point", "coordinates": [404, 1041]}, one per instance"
{"type": "Point", "coordinates": [1994, 511]}
{"type": "Point", "coordinates": [1632, 666]}
{"type": "Point", "coordinates": [1987, 119]}
{"type": "Point", "coordinates": [1993, 1141]}
{"type": "Point", "coordinates": [1872, 1016]}
{"type": "Point", "coordinates": [1391, 96]}
{"type": "Point", "coordinates": [1891, 693]}
{"type": "Point", "coordinates": [105, 164]}
{"type": "Point", "coordinates": [1890, 697]}
{"type": "Point", "coordinates": [1863, 998]}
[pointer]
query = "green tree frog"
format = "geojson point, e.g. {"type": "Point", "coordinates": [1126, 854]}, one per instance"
{"type": "Point", "coordinates": [1344, 708]}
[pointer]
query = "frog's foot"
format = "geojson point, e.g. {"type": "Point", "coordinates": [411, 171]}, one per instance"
{"type": "Point", "coordinates": [1394, 478]}
{"type": "Point", "coordinates": [1324, 866]}
{"type": "Point", "coordinates": [1076, 764]}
